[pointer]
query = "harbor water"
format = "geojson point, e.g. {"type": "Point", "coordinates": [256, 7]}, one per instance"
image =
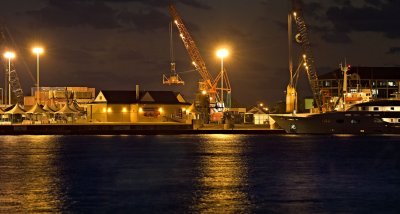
{"type": "Point", "coordinates": [200, 174]}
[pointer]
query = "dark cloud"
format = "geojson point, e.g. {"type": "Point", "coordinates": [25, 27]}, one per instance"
{"type": "Point", "coordinates": [374, 2]}
{"type": "Point", "coordinates": [130, 55]}
{"type": "Point", "coordinates": [154, 3]}
{"type": "Point", "coordinates": [73, 56]}
{"type": "Point", "coordinates": [144, 20]}
{"type": "Point", "coordinates": [394, 50]}
{"type": "Point", "coordinates": [101, 15]}
{"type": "Point", "coordinates": [383, 17]}
{"type": "Point", "coordinates": [75, 13]}
{"type": "Point", "coordinates": [313, 9]}
{"type": "Point", "coordinates": [333, 37]}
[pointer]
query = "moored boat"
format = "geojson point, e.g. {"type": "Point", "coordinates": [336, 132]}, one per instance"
{"type": "Point", "coordinates": [373, 117]}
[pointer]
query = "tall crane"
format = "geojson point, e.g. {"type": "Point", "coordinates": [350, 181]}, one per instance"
{"type": "Point", "coordinates": [208, 83]}
{"type": "Point", "coordinates": [309, 63]}
{"type": "Point", "coordinates": [6, 40]}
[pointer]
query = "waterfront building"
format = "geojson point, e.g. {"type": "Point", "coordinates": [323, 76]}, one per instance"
{"type": "Point", "coordinates": [139, 106]}
{"type": "Point", "coordinates": [58, 96]}
{"type": "Point", "coordinates": [381, 82]}
{"type": "Point", "coordinates": [260, 115]}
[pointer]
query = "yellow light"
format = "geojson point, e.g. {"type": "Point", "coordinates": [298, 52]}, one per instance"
{"type": "Point", "coordinates": [222, 53]}
{"type": "Point", "coordinates": [181, 35]}
{"type": "Point", "coordinates": [160, 110]}
{"type": "Point", "coordinates": [210, 98]}
{"type": "Point", "coordinates": [194, 63]}
{"type": "Point", "coordinates": [306, 67]}
{"type": "Point", "coordinates": [124, 109]}
{"type": "Point", "coordinates": [261, 104]}
{"type": "Point", "coordinates": [9, 55]}
{"type": "Point", "coordinates": [305, 64]}
{"type": "Point", "coordinates": [294, 14]}
{"type": "Point", "coordinates": [304, 56]}
{"type": "Point", "coordinates": [109, 110]}
{"type": "Point", "coordinates": [204, 92]}
{"type": "Point", "coordinates": [176, 21]}
{"type": "Point", "coordinates": [183, 109]}
{"type": "Point", "coordinates": [37, 50]}
{"type": "Point", "coordinates": [266, 109]}
{"type": "Point", "coordinates": [140, 110]}
{"type": "Point", "coordinates": [104, 110]}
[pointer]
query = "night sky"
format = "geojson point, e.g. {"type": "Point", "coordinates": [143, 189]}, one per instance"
{"type": "Point", "coordinates": [116, 44]}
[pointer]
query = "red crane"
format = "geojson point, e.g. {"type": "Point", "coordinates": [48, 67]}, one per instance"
{"type": "Point", "coordinates": [208, 83]}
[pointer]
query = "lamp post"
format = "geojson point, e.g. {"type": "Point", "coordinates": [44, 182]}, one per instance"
{"type": "Point", "coordinates": [222, 53]}
{"type": "Point", "coordinates": [9, 56]}
{"type": "Point", "coordinates": [37, 51]}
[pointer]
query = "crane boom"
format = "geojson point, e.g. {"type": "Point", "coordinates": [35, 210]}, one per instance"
{"type": "Point", "coordinates": [193, 51]}
{"type": "Point", "coordinates": [306, 48]}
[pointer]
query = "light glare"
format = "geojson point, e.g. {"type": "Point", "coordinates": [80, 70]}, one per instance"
{"type": "Point", "coordinates": [37, 50]}
{"type": "Point", "coordinates": [222, 53]}
{"type": "Point", "coordinates": [9, 55]}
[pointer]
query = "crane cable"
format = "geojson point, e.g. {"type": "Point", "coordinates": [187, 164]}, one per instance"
{"type": "Point", "coordinates": [171, 48]}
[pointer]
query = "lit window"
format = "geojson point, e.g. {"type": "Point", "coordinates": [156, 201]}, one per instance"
{"type": "Point", "coordinates": [104, 110]}
{"type": "Point", "coordinates": [109, 110]}
{"type": "Point", "coordinates": [140, 110]}
{"type": "Point", "coordinates": [160, 110]}
{"type": "Point", "coordinates": [124, 109]}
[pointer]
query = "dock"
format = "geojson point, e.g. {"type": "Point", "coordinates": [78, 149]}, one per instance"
{"type": "Point", "coordinates": [123, 129]}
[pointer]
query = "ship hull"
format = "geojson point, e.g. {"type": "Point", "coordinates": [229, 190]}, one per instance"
{"type": "Point", "coordinates": [355, 122]}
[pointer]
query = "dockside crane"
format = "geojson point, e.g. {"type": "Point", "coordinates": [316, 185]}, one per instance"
{"type": "Point", "coordinates": [6, 41]}
{"type": "Point", "coordinates": [308, 61]}
{"type": "Point", "coordinates": [173, 78]}
{"type": "Point", "coordinates": [208, 84]}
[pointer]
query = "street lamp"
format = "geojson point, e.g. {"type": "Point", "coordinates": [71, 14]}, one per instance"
{"type": "Point", "coordinates": [37, 51]}
{"type": "Point", "coordinates": [9, 55]}
{"type": "Point", "coordinates": [222, 53]}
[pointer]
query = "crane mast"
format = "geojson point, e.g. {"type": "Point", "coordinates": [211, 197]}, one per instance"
{"type": "Point", "coordinates": [5, 39]}
{"type": "Point", "coordinates": [207, 84]}
{"type": "Point", "coordinates": [303, 38]}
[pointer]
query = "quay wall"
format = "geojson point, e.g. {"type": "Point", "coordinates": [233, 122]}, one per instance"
{"type": "Point", "coordinates": [118, 129]}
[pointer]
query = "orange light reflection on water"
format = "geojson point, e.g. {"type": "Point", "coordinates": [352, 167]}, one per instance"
{"type": "Point", "coordinates": [223, 175]}
{"type": "Point", "coordinates": [29, 181]}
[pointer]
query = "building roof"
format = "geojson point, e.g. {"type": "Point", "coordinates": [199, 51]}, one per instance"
{"type": "Point", "coordinates": [16, 109]}
{"type": "Point", "coordinates": [36, 109]}
{"type": "Point", "coordinates": [146, 97]}
{"type": "Point", "coordinates": [163, 97]}
{"type": "Point", "coordinates": [365, 73]}
{"type": "Point", "coordinates": [257, 110]}
{"type": "Point", "coordinates": [66, 110]}
{"type": "Point", "coordinates": [120, 97]}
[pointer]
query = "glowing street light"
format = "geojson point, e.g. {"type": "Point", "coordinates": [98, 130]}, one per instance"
{"type": "Point", "coordinates": [222, 53]}
{"type": "Point", "coordinates": [37, 51]}
{"type": "Point", "coordinates": [9, 55]}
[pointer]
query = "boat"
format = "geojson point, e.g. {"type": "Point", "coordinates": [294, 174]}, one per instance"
{"type": "Point", "coordinates": [372, 117]}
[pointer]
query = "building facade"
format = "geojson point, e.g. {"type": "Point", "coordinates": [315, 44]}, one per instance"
{"type": "Point", "coordinates": [381, 82]}
{"type": "Point", "coordinates": [61, 95]}
{"type": "Point", "coordinates": [139, 106]}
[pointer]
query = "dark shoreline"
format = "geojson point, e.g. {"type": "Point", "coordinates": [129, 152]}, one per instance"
{"type": "Point", "coordinates": [122, 129]}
